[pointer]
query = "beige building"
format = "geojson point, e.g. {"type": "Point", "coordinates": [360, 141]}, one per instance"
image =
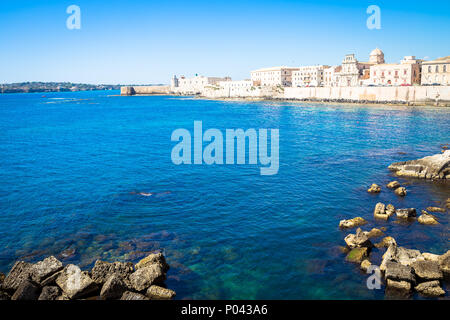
{"type": "Point", "coordinates": [331, 76]}
{"type": "Point", "coordinates": [436, 71]}
{"type": "Point", "coordinates": [194, 85]}
{"type": "Point", "coordinates": [236, 88]}
{"type": "Point", "coordinates": [308, 76]}
{"type": "Point", "coordinates": [406, 73]}
{"type": "Point", "coordinates": [272, 77]}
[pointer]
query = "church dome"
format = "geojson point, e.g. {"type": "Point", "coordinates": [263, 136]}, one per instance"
{"type": "Point", "coordinates": [376, 52]}
{"type": "Point", "coordinates": [376, 56]}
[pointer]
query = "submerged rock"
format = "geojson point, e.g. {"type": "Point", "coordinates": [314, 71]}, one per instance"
{"type": "Point", "coordinates": [351, 223]}
{"type": "Point", "coordinates": [430, 289]}
{"type": "Point", "coordinates": [357, 255]}
{"type": "Point", "coordinates": [374, 188]}
{"type": "Point", "coordinates": [401, 191]}
{"type": "Point", "coordinates": [431, 167]}
{"type": "Point", "coordinates": [160, 293]}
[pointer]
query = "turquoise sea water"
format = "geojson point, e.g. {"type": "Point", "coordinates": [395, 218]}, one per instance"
{"type": "Point", "coordinates": [72, 163]}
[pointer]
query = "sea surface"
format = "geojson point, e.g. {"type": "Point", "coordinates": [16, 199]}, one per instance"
{"type": "Point", "coordinates": [72, 166]}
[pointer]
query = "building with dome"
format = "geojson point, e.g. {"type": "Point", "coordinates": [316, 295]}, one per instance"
{"type": "Point", "coordinates": [356, 73]}
{"type": "Point", "coordinates": [405, 73]}
{"type": "Point", "coordinates": [376, 56]}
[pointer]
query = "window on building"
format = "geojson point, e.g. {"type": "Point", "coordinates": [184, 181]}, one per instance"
{"type": "Point", "coordinates": [444, 69]}
{"type": "Point", "coordinates": [429, 69]}
{"type": "Point", "coordinates": [437, 69]}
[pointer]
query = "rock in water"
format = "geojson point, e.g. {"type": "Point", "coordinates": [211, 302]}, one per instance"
{"type": "Point", "coordinates": [430, 288]}
{"type": "Point", "coordinates": [351, 223]}
{"type": "Point", "coordinates": [45, 268]}
{"type": "Point", "coordinates": [156, 258]}
{"type": "Point", "coordinates": [427, 270]}
{"type": "Point", "coordinates": [357, 255]}
{"type": "Point", "coordinates": [374, 188]}
{"type": "Point", "coordinates": [146, 276]}
{"type": "Point", "coordinates": [50, 293]}
{"type": "Point", "coordinates": [19, 273]}
{"type": "Point", "coordinates": [399, 289]}
{"type": "Point", "coordinates": [435, 209]}
{"type": "Point", "coordinates": [406, 213]}
{"type": "Point", "coordinates": [401, 191]}
{"type": "Point", "coordinates": [390, 210]}
{"type": "Point", "coordinates": [397, 272]}
{"type": "Point", "coordinates": [103, 270]}
{"type": "Point", "coordinates": [374, 233]}
{"type": "Point", "coordinates": [128, 295]}
{"type": "Point", "coordinates": [432, 167]}
{"type": "Point", "coordinates": [427, 219]}
{"type": "Point", "coordinates": [160, 293]}
{"type": "Point", "coordinates": [26, 291]}
{"type": "Point", "coordinates": [380, 211]}
{"type": "Point", "coordinates": [75, 283]}
{"type": "Point", "coordinates": [431, 256]}
{"type": "Point", "coordinates": [113, 288]}
{"type": "Point", "coordinates": [444, 264]}
{"type": "Point", "coordinates": [360, 239]}
{"type": "Point", "coordinates": [393, 185]}
{"type": "Point", "coordinates": [386, 242]}
{"type": "Point", "coordinates": [365, 265]}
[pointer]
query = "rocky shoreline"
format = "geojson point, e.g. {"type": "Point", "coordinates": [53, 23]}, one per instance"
{"type": "Point", "coordinates": [49, 279]}
{"type": "Point", "coordinates": [404, 271]}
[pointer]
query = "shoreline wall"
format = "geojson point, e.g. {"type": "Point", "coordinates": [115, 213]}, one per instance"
{"type": "Point", "coordinates": [415, 95]}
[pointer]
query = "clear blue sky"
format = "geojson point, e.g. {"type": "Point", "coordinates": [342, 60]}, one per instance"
{"type": "Point", "coordinates": [148, 41]}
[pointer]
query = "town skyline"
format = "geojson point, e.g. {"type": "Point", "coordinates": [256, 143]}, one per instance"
{"type": "Point", "coordinates": [144, 41]}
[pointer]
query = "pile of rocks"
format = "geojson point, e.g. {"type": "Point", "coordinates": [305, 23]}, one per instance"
{"type": "Point", "coordinates": [383, 212]}
{"type": "Point", "coordinates": [394, 185]}
{"type": "Point", "coordinates": [49, 279]}
{"type": "Point", "coordinates": [432, 167]}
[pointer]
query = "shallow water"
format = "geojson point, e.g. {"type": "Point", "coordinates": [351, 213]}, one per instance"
{"type": "Point", "coordinates": [72, 163]}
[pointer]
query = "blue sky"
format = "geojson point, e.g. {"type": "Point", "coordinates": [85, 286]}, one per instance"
{"type": "Point", "coordinates": [144, 42]}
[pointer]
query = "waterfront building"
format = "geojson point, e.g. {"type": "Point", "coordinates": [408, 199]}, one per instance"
{"type": "Point", "coordinates": [272, 77]}
{"type": "Point", "coordinates": [331, 76]}
{"type": "Point", "coordinates": [196, 84]}
{"type": "Point", "coordinates": [236, 88]}
{"type": "Point", "coordinates": [308, 76]}
{"type": "Point", "coordinates": [436, 72]}
{"type": "Point", "coordinates": [406, 73]}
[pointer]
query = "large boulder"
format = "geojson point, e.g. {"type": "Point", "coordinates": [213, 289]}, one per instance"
{"type": "Point", "coordinates": [154, 258]}
{"type": "Point", "coordinates": [128, 295]}
{"type": "Point", "coordinates": [19, 273]}
{"type": "Point", "coordinates": [397, 272]}
{"type": "Point", "coordinates": [103, 270]}
{"type": "Point", "coordinates": [146, 276]}
{"type": "Point", "coordinates": [75, 283]}
{"type": "Point", "coordinates": [352, 223]}
{"type": "Point", "coordinates": [113, 288]}
{"type": "Point", "coordinates": [398, 289]}
{"type": "Point", "coordinates": [160, 293]}
{"type": "Point", "coordinates": [444, 264]}
{"type": "Point", "coordinates": [427, 270]}
{"type": "Point", "coordinates": [374, 233]}
{"type": "Point", "coordinates": [27, 290]}
{"type": "Point", "coordinates": [386, 242]}
{"type": "Point", "coordinates": [50, 293]}
{"type": "Point", "coordinates": [360, 239]}
{"type": "Point", "coordinates": [401, 255]}
{"type": "Point", "coordinates": [431, 167]}
{"type": "Point", "coordinates": [430, 289]}
{"type": "Point", "coordinates": [45, 268]}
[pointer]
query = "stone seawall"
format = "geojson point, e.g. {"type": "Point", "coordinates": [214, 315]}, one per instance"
{"type": "Point", "coordinates": [414, 95]}
{"type": "Point", "coordinates": [144, 90]}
